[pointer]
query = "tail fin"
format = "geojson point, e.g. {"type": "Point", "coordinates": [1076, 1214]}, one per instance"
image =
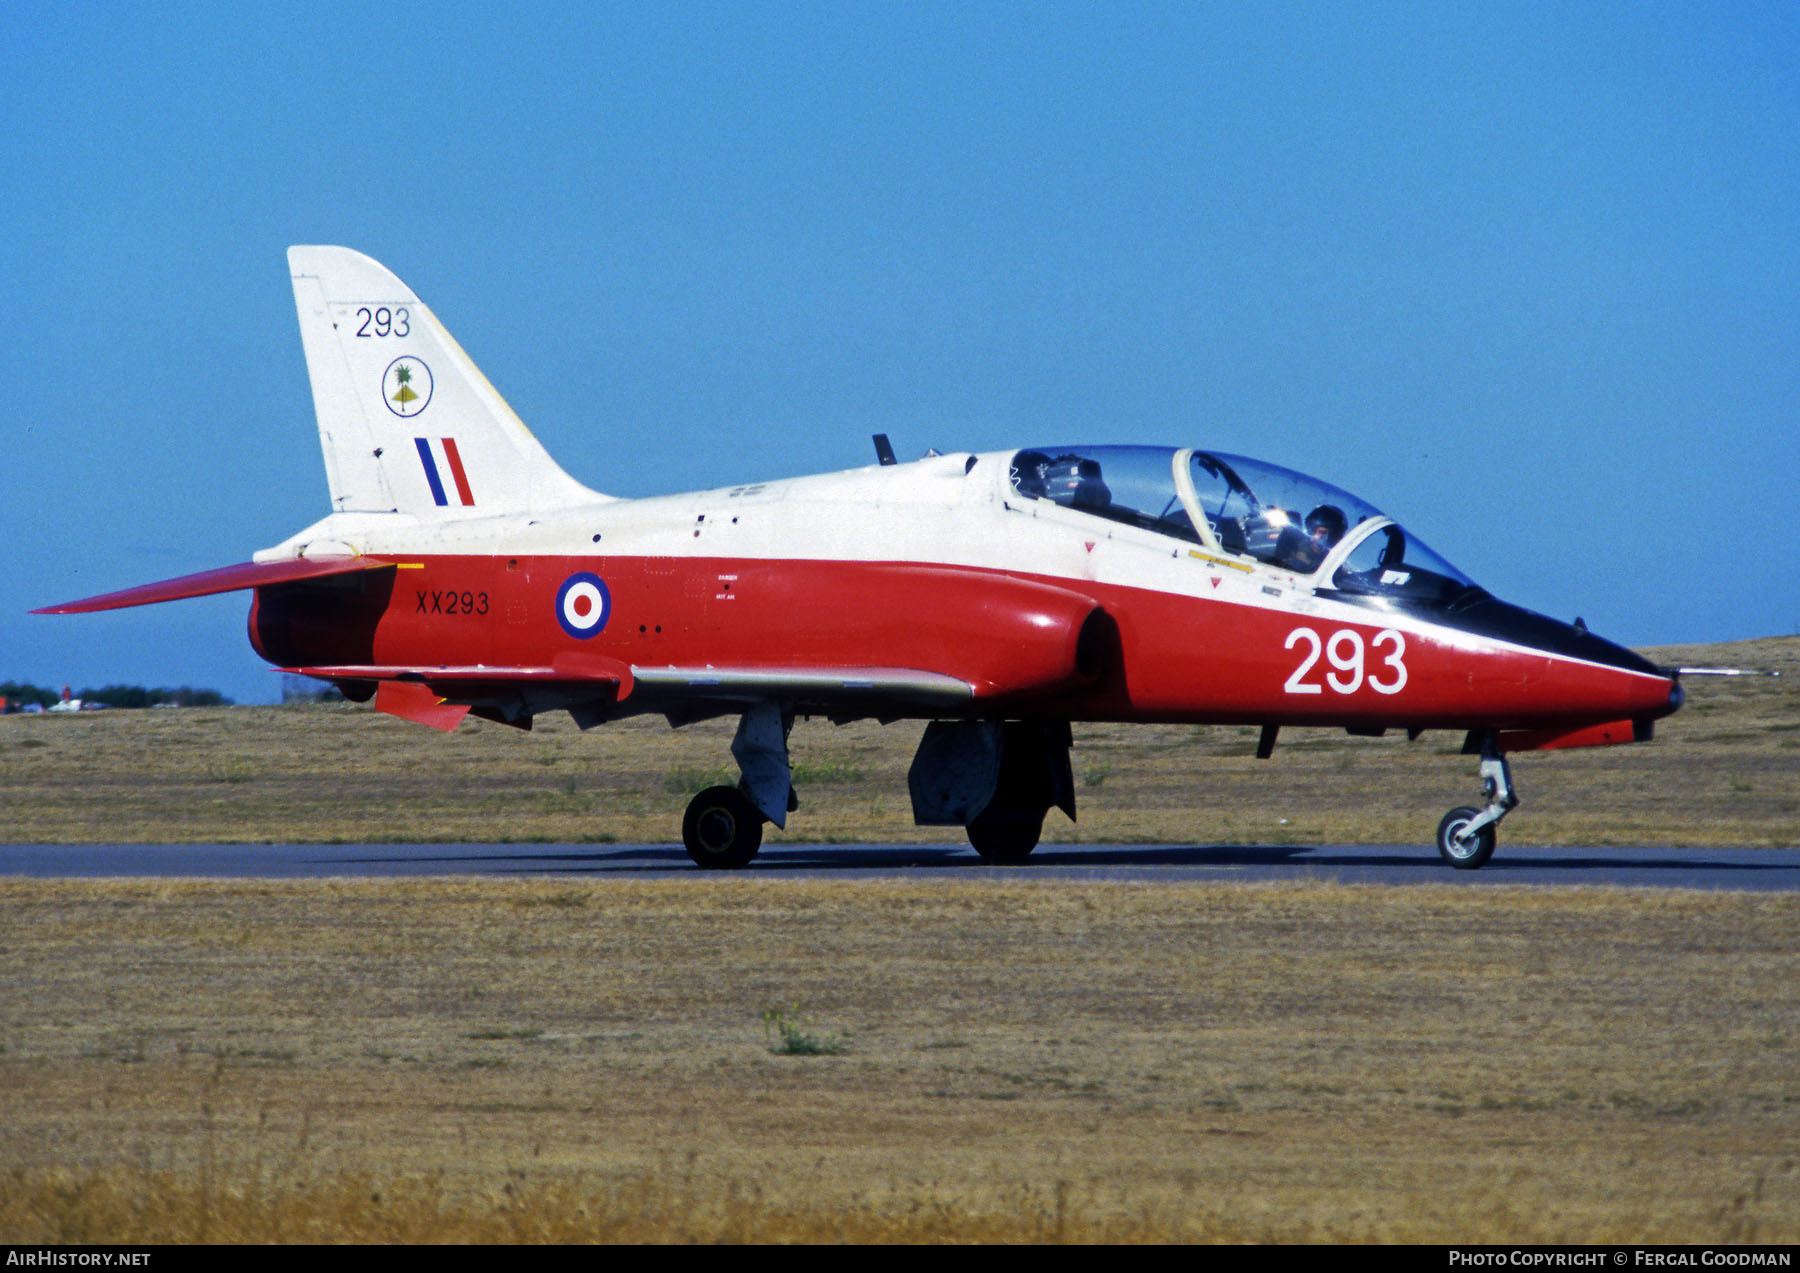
{"type": "Point", "coordinates": [407, 422]}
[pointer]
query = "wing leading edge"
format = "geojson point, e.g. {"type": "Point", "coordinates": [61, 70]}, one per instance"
{"type": "Point", "coordinates": [442, 696]}
{"type": "Point", "coordinates": [249, 574]}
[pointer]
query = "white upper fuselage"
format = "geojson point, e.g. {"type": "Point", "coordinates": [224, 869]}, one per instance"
{"type": "Point", "coordinates": [958, 510]}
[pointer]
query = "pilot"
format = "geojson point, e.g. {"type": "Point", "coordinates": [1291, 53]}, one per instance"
{"type": "Point", "coordinates": [1326, 525]}
{"type": "Point", "coordinates": [1075, 481]}
{"type": "Point", "coordinates": [1028, 472]}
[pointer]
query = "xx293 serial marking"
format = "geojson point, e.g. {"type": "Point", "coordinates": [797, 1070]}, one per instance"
{"type": "Point", "coordinates": [462, 603]}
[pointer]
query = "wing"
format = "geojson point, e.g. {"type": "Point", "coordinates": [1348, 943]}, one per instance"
{"type": "Point", "coordinates": [249, 574]}
{"type": "Point", "coordinates": [911, 686]}
{"type": "Point", "coordinates": [595, 689]}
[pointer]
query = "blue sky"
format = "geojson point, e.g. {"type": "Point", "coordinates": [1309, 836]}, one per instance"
{"type": "Point", "coordinates": [1526, 277]}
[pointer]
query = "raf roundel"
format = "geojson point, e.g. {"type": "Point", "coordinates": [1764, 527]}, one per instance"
{"type": "Point", "coordinates": [582, 605]}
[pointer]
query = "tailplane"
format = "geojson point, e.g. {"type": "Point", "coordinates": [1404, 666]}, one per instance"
{"type": "Point", "coordinates": [407, 422]}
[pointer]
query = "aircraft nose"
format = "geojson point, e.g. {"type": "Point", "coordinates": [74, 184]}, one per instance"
{"type": "Point", "coordinates": [1491, 617]}
{"type": "Point", "coordinates": [1650, 691]}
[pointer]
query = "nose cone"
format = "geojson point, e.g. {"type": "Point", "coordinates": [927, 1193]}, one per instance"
{"type": "Point", "coordinates": [1615, 678]}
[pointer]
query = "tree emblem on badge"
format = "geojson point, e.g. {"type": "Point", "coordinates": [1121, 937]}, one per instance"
{"type": "Point", "coordinates": [406, 387]}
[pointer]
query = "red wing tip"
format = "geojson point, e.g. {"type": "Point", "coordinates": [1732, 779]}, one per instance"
{"type": "Point", "coordinates": [88, 605]}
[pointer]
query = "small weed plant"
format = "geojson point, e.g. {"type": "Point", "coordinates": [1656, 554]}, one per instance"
{"type": "Point", "coordinates": [793, 1035]}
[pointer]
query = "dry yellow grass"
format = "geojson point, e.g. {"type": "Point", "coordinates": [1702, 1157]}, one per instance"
{"type": "Point", "coordinates": [498, 1060]}
{"type": "Point", "coordinates": [1725, 770]}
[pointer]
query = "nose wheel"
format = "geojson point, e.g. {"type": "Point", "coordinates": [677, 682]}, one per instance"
{"type": "Point", "coordinates": [1461, 847]}
{"type": "Point", "coordinates": [1466, 838]}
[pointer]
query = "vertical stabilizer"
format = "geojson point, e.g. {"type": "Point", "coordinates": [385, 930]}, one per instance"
{"type": "Point", "coordinates": [407, 422]}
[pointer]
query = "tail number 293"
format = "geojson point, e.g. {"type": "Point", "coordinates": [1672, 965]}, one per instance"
{"type": "Point", "coordinates": [1349, 670]}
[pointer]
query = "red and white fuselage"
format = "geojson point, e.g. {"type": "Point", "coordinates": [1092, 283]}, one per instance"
{"type": "Point", "coordinates": [938, 567]}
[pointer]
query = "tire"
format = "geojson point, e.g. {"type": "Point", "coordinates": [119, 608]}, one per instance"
{"type": "Point", "coordinates": [1005, 840]}
{"type": "Point", "coordinates": [1464, 856]}
{"type": "Point", "coordinates": [722, 829]}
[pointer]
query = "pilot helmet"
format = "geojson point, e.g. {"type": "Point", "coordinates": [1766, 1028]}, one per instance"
{"type": "Point", "coordinates": [1328, 518]}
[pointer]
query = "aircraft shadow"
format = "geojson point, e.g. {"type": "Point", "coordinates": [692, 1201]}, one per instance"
{"type": "Point", "coordinates": [1379, 862]}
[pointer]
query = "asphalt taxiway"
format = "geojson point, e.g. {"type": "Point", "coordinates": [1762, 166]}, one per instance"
{"type": "Point", "coordinates": [1763, 870]}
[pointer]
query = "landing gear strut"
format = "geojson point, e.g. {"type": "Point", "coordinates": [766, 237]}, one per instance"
{"type": "Point", "coordinates": [1465, 838]}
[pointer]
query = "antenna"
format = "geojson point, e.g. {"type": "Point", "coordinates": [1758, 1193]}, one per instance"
{"type": "Point", "coordinates": [884, 450]}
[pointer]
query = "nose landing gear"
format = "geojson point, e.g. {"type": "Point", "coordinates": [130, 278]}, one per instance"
{"type": "Point", "coordinates": [1465, 838]}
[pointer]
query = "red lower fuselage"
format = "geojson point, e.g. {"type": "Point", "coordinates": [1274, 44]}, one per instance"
{"type": "Point", "coordinates": [1028, 645]}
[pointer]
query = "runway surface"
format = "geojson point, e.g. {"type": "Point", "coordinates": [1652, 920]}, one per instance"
{"type": "Point", "coordinates": [1765, 870]}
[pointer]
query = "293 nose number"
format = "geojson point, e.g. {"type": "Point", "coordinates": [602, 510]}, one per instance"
{"type": "Point", "coordinates": [1349, 668]}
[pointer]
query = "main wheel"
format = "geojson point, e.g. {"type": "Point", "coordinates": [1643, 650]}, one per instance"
{"type": "Point", "coordinates": [1005, 839]}
{"type": "Point", "coordinates": [1463, 851]}
{"type": "Point", "coordinates": [722, 829]}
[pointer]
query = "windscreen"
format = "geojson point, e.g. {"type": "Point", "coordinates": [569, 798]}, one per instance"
{"type": "Point", "coordinates": [1392, 563]}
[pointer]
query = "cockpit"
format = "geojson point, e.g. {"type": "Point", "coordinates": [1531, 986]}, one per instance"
{"type": "Point", "coordinates": [1242, 508]}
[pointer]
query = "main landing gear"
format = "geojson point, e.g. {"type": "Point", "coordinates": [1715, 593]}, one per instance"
{"type": "Point", "coordinates": [1465, 838]}
{"type": "Point", "coordinates": [1008, 837]}
{"type": "Point", "coordinates": [995, 778]}
{"type": "Point", "coordinates": [722, 829]}
{"type": "Point", "coordinates": [723, 826]}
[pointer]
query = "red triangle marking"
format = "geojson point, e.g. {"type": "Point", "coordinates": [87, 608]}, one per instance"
{"type": "Point", "coordinates": [1215, 581]}
{"type": "Point", "coordinates": [1089, 543]}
